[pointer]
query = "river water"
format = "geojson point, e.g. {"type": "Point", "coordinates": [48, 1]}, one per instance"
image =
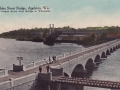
{"type": "Point", "coordinates": [10, 49]}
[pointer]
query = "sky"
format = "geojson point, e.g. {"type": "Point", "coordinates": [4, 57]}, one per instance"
{"type": "Point", "coordinates": [73, 13]}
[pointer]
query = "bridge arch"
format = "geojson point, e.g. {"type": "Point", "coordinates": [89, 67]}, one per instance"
{"type": "Point", "coordinates": [111, 50]}
{"type": "Point", "coordinates": [103, 55]}
{"type": "Point", "coordinates": [89, 64]}
{"type": "Point", "coordinates": [65, 74]}
{"type": "Point", "coordinates": [118, 46]}
{"type": "Point", "coordinates": [107, 52]}
{"type": "Point", "coordinates": [78, 71]}
{"type": "Point", "coordinates": [97, 59]}
{"type": "Point", "coordinates": [114, 48]}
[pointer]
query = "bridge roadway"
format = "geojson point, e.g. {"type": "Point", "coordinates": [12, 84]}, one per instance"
{"type": "Point", "coordinates": [15, 75]}
{"type": "Point", "coordinates": [87, 82]}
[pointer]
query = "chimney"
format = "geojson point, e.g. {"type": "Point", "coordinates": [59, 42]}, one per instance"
{"type": "Point", "coordinates": [53, 27]}
{"type": "Point", "coordinates": [50, 29]}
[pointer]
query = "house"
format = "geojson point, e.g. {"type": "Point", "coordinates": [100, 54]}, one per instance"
{"type": "Point", "coordinates": [113, 36]}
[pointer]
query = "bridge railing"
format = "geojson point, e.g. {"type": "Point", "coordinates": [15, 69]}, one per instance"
{"type": "Point", "coordinates": [67, 54]}
{"type": "Point", "coordinates": [92, 47]}
{"type": "Point", "coordinates": [35, 64]}
{"type": "Point", "coordinates": [18, 81]}
{"type": "Point", "coordinates": [5, 85]}
{"type": "Point", "coordinates": [64, 65]}
{"type": "Point", "coordinates": [3, 73]}
{"type": "Point", "coordinates": [86, 49]}
{"type": "Point", "coordinates": [60, 56]}
{"type": "Point", "coordinates": [29, 66]}
{"type": "Point", "coordinates": [24, 79]}
{"type": "Point", "coordinates": [85, 55]}
{"type": "Point", "coordinates": [40, 63]}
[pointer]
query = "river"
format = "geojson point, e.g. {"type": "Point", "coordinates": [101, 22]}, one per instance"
{"type": "Point", "coordinates": [10, 49]}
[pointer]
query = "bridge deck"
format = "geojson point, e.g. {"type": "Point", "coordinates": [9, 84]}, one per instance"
{"type": "Point", "coordinates": [88, 82]}
{"type": "Point", "coordinates": [23, 73]}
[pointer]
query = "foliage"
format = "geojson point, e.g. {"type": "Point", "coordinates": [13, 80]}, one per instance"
{"type": "Point", "coordinates": [34, 34]}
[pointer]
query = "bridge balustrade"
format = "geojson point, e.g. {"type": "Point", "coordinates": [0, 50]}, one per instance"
{"type": "Point", "coordinates": [24, 79]}
{"type": "Point", "coordinates": [73, 52]}
{"type": "Point", "coordinates": [89, 53]}
{"type": "Point", "coordinates": [96, 51]}
{"type": "Point", "coordinates": [108, 44]}
{"type": "Point", "coordinates": [40, 63]}
{"type": "Point", "coordinates": [77, 51]}
{"type": "Point", "coordinates": [3, 73]}
{"type": "Point", "coordinates": [60, 56]}
{"type": "Point", "coordinates": [67, 54]}
{"type": "Point", "coordinates": [5, 85]}
{"type": "Point", "coordinates": [34, 64]}
{"type": "Point", "coordinates": [17, 84]}
{"type": "Point", "coordinates": [29, 66]}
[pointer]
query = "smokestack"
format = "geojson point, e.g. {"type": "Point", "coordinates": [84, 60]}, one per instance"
{"type": "Point", "coordinates": [50, 29]}
{"type": "Point", "coordinates": [50, 26]}
{"type": "Point", "coordinates": [53, 27]}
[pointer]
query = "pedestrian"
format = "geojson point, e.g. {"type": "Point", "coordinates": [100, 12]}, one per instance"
{"type": "Point", "coordinates": [53, 58]}
{"type": "Point", "coordinates": [48, 68]}
{"type": "Point", "coordinates": [40, 69]}
{"type": "Point", "coordinates": [49, 60]}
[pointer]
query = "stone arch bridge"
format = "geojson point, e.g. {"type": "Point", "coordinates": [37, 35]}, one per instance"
{"type": "Point", "coordinates": [86, 60]}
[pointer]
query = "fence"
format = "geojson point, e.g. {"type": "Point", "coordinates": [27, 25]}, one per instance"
{"type": "Point", "coordinates": [29, 82]}
{"type": "Point", "coordinates": [16, 83]}
{"type": "Point", "coordinates": [3, 73]}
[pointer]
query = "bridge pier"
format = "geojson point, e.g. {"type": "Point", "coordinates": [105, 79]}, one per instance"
{"type": "Point", "coordinates": [98, 62]}
{"type": "Point", "coordinates": [104, 58]}
{"type": "Point", "coordinates": [108, 54]}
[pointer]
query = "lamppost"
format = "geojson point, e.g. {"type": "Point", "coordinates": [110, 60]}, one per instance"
{"type": "Point", "coordinates": [20, 59]}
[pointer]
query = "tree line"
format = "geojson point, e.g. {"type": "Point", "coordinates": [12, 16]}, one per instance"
{"type": "Point", "coordinates": [92, 39]}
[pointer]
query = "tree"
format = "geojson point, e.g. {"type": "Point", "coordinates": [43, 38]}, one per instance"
{"type": "Point", "coordinates": [103, 36]}
{"type": "Point", "coordinates": [92, 37]}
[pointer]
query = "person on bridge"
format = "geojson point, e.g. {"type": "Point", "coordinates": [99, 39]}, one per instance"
{"type": "Point", "coordinates": [54, 59]}
{"type": "Point", "coordinates": [48, 68]}
{"type": "Point", "coordinates": [40, 69]}
{"type": "Point", "coordinates": [50, 61]}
